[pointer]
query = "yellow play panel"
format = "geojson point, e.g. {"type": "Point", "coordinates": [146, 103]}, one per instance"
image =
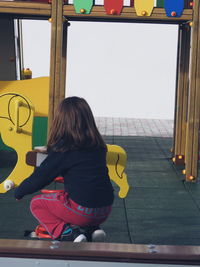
{"type": "Point", "coordinates": [116, 163]}
{"type": "Point", "coordinates": [37, 90]}
{"type": "Point", "coordinates": [16, 121]}
{"type": "Point", "coordinates": [144, 7]}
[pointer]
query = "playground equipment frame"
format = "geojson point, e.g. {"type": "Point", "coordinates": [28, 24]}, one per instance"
{"type": "Point", "coordinates": [186, 129]}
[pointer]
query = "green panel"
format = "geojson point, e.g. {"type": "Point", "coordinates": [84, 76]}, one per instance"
{"type": "Point", "coordinates": [3, 146]}
{"type": "Point", "coordinates": [83, 6]}
{"type": "Point", "coordinates": [160, 3]}
{"type": "Point", "coordinates": [40, 131]}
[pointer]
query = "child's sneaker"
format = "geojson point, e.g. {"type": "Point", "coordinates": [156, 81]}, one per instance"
{"type": "Point", "coordinates": [73, 234]}
{"type": "Point", "coordinates": [95, 234]}
{"type": "Point", "coordinates": [99, 236]}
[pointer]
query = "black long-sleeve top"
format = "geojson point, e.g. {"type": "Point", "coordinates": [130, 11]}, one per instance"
{"type": "Point", "coordinates": [85, 177]}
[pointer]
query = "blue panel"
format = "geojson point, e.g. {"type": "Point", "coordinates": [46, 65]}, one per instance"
{"type": "Point", "coordinates": [174, 6]}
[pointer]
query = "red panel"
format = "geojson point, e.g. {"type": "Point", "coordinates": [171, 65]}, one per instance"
{"type": "Point", "coordinates": [113, 7]}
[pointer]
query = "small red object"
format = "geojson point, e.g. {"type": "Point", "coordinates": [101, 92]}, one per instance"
{"type": "Point", "coordinates": [49, 191]}
{"type": "Point", "coordinates": [41, 232]}
{"type": "Point", "coordinates": [59, 179]}
{"type": "Point", "coordinates": [113, 12]}
{"type": "Point", "coordinates": [115, 5]}
{"type": "Point", "coordinates": [191, 4]}
{"type": "Point", "coordinates": [173, 14]}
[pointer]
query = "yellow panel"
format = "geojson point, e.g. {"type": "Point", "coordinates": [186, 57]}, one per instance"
{"type": "Point", "coordinates": [144, 7]}
{"type": "Point", "coordinates": [116, 163]}
{"type": "Point", "coordinates": [16, 121]}
{"type": "Point", "coordinates": [37, 90]}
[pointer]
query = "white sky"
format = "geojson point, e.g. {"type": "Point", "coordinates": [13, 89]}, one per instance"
{"type": "Point", "coordinates": [121, 69]}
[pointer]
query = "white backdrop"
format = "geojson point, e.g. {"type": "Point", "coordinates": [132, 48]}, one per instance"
{"type": "Point", "coordinates": [121, 69]}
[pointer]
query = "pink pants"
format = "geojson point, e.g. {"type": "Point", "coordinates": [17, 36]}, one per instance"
{"type": "Point", "coordinates": [54, 210]}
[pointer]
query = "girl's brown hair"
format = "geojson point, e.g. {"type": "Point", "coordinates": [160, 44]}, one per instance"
{"type": "Point", "coordinates": [74, 127]}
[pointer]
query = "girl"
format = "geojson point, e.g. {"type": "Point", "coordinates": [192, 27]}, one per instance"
{"type": "Point", "coordinates": [77, 152]}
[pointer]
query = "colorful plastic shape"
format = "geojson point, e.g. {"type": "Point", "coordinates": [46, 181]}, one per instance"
{"type": "Point", "coordinates": [174, 8]}
{"type": "Point", "coordinates": [41, 232]}
{"type": "Point", "coordinates": [113, 7]}
{"type": "Point", "coordinates": [160, 3]}
{"type": "Point", "coordinates": [16, 121]}
{"type": "Point", "coordinates": [83, 6]}
{"type": "Point", "coordinates": [58, 179]}
{"type": "Point", "coordinates": [144, 7]}
{"type": "Point", "coordinates": [37, 90]}
{"type": "Point", "coordinates": [116, 163]}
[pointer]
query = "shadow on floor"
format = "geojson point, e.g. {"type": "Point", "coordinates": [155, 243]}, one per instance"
{"type": "Point", "coordinates": [160, 208]}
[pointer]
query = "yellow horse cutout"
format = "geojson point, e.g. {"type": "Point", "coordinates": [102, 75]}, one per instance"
{"type": "Point", "coordinates": [116, 162]}
{"type": "Point", "coordinates": [16, 121]}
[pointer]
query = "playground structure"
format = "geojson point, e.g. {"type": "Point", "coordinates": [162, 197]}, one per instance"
{"type": "Point", "coordinates": [183, 13]}
{"type": "Point", "coordinates": [186, 131]}
{"type": "Point", "coordinates": [17, 114]}
{"type": "Point", "coordinates": [20, 122]}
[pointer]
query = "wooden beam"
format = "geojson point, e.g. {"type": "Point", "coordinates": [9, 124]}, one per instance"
{"type": "Point", "coordinates": [64, 60]}
{"type": "Point", "coordinates": [20, 8]}
{"type": "Point", "coordinates": [128, 13]}
{"type": "Point", "coordinates": [53, 21]}
{"type": "Point", "coordinates": [192, 133]}
{"type": "Point", "coordinates": [25, 8]}
{"type": "Point", "coordinates": [59, 51]}
{"type": "Point", "coordinates": [101, 252]}
{"type": "Point", "coordinates": [181, 95]}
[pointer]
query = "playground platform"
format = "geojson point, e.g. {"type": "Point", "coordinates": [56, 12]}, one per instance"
{"type": "Point", "coordinates": [160, 208]}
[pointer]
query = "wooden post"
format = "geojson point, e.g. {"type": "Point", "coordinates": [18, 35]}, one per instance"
{"type": "Point", "coordinates": [181, 95]}
{"type": "Point", "coordinates": [192, 132]}
{"type": "Point", "coordinates": [64, 59]}
{"type": "Point", "coordinates": [59, 40]}
{"type": "Point", "coordinates": [55, 94]}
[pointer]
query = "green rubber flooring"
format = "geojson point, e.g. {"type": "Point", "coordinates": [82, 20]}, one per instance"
{"type": "Point", "coordinates": [160, 208]}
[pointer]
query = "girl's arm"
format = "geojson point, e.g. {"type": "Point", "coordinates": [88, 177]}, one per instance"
{"type": "Point", "coordinates": [43, 175]}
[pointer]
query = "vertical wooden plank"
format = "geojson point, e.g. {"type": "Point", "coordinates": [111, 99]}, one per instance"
{"type": "Point", "coordinates": [176, 93]}
{"type": "Point", "coordinates": [182, 95]}
{"type": "Point", "coordinates": [64, 60]}
{"type": "Point", "coordinates": [53, 21]}
{"type": "Point", "coordinates": [194, 99]}
{"type": "Point", "coordinates": [55, 94]}
{"type": "Point", "coordinates": [59, 39]}
{"type": "Point", "coordinates": [186, 62]}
